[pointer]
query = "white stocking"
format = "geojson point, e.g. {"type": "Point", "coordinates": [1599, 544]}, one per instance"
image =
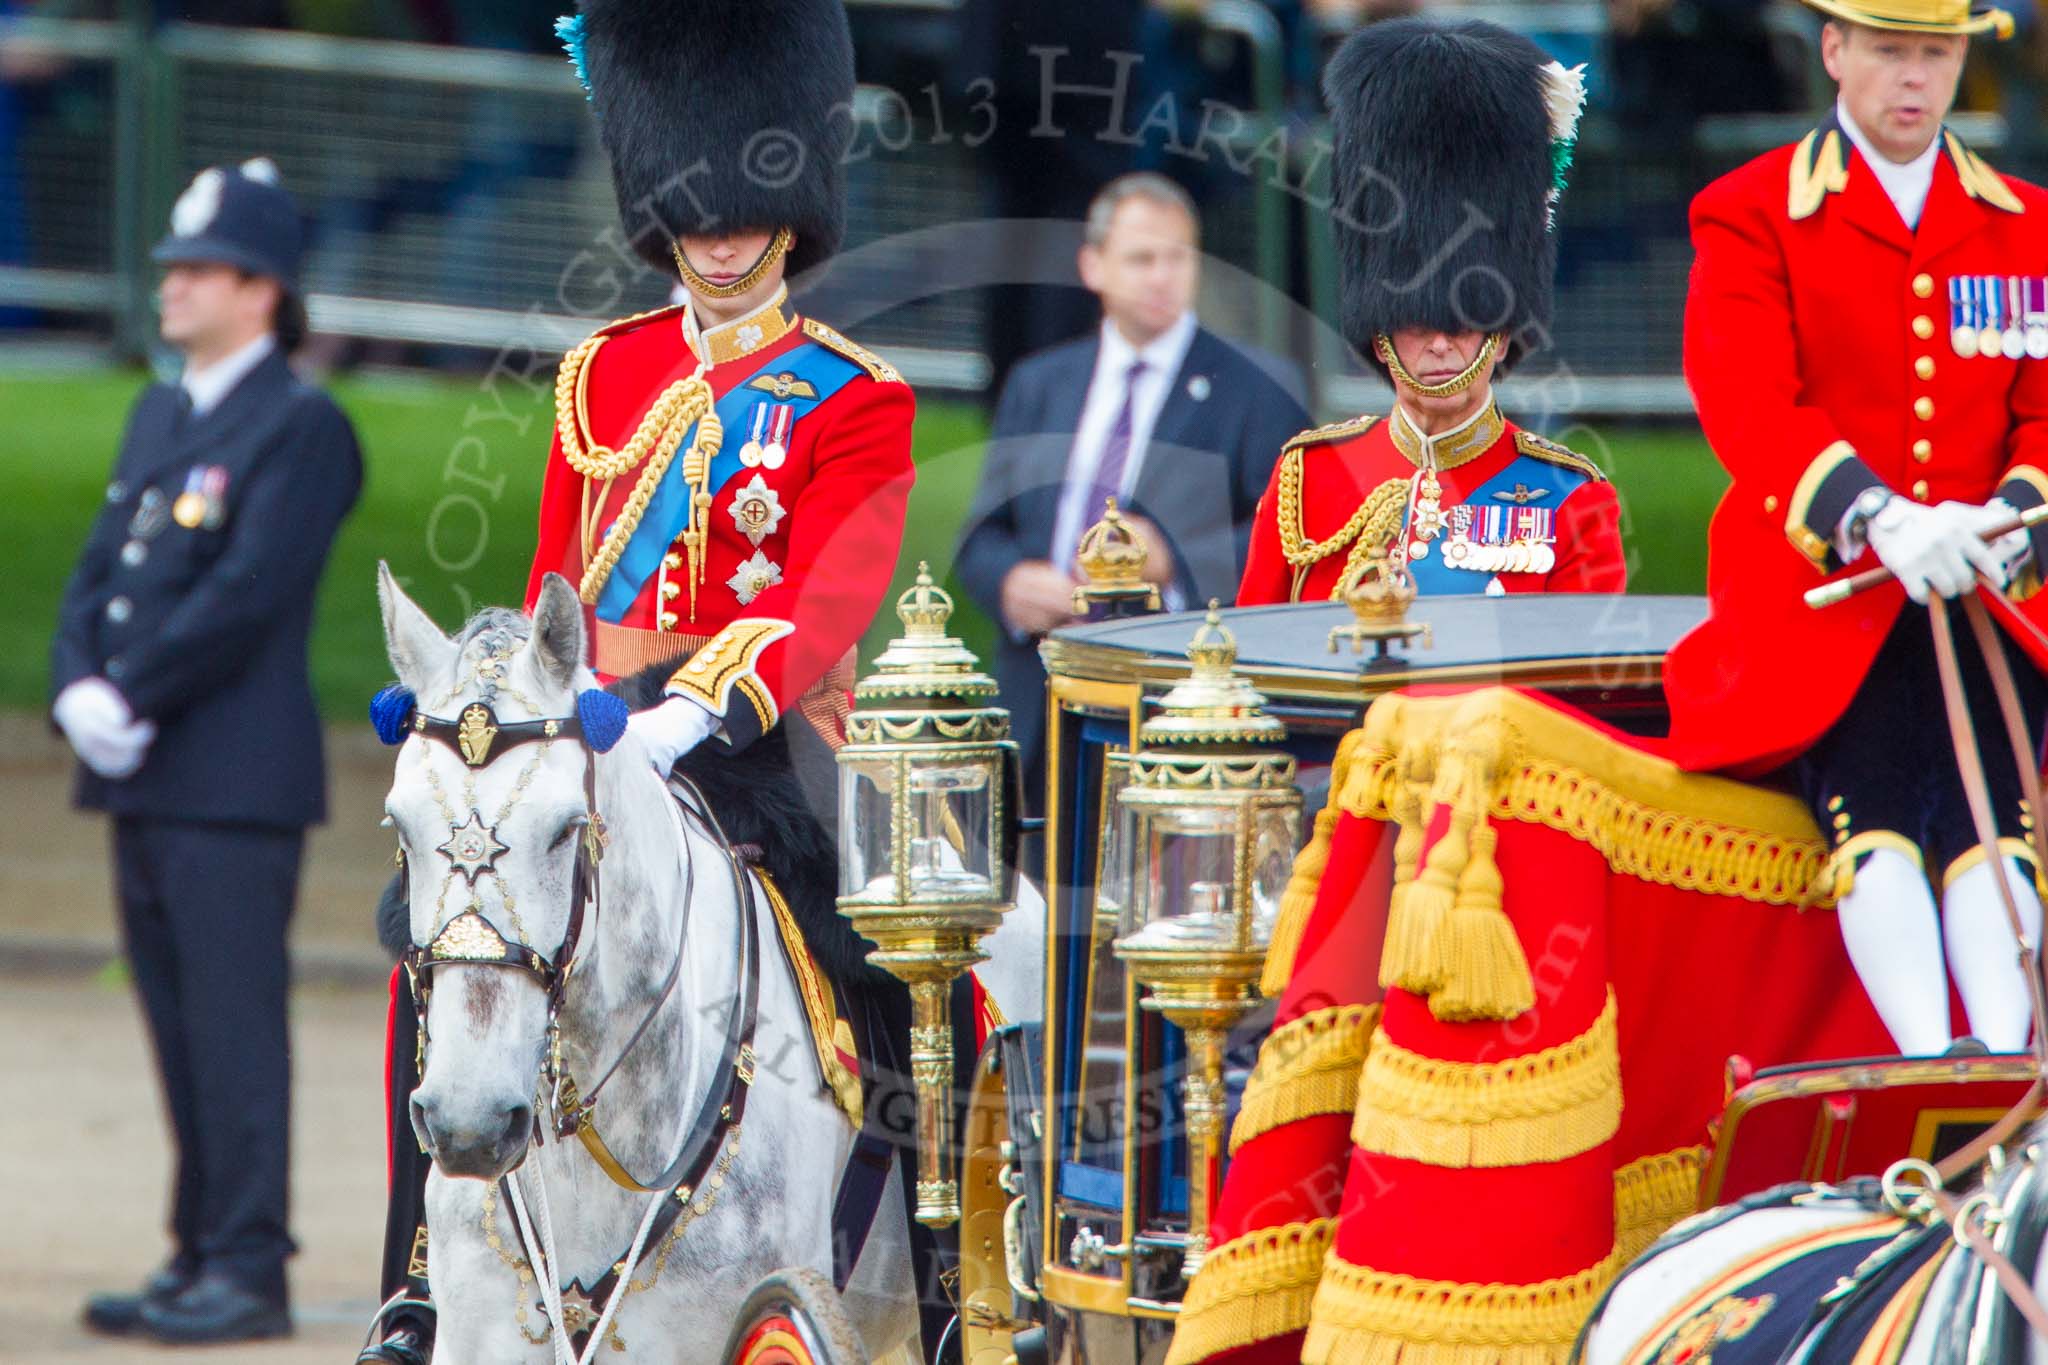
{"type": "Point", "coordinates": [1982, 954]}
{"type": "Point", "coordinates": [1892, 932]}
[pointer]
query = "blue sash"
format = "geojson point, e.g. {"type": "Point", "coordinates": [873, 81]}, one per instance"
{"type": "Point", "coordinates": [1527, 482]}
{"type": "Point", "coordinates": [668, 512]}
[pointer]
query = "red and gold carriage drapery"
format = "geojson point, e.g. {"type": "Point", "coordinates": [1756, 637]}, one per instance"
{"type": "Point", "coordinates": [1573, 937]}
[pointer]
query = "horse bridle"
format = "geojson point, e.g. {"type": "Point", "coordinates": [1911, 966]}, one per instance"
{"type": "Point", "coordinates": [471, 940]}
{"type": "Point", "coordinates": [468, 939]}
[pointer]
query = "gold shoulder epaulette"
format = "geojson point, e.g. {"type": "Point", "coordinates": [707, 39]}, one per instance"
{"type": "Point", "coordinates": [1335, 431]}
{"type": "Point", "coordinates": [619, 325]}
{"type": "Point", "coordinates": [1978, 179]}
{"type": "Point", "coordinates": [860, 355]}
{"type": "Point", "coordinates": [1543, 448]}
{"type": "Point", "coordinates": [1820, 167]}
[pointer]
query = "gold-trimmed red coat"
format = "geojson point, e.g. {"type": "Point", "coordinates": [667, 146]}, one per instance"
{"type": "Point", "coordinates": [1820, 349]}
{"type": "Point", "coordinates": [798, 549]}
{"type": "Point", "coordinates": [1317, 519]}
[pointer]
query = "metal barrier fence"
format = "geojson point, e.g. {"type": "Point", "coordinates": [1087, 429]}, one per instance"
{"type": "Point", "coordinates": [462, 201]}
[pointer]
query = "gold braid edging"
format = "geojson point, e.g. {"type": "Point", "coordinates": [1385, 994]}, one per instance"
{"type": "Point", "coordinates": [1653, 1193]}
{"type": "Point", "coordinates": [1543, 1107]}
{"type": "Point", "coordinates": [1625, 804]}
{"type": "Point", "coordinates": [821, 1008]}
{"type": "Point", "coordinates": [1252, 1288]}
{"type": "Point", "coordinates": [1298, 902]}
{"type": "Point", "coordinates": [1307, 1066]}
{"type": "Point", "coordinates": [1368, 1317]}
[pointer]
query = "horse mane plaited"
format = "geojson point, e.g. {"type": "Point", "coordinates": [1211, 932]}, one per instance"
{"type": "Point", "coordinates": [770, 795]}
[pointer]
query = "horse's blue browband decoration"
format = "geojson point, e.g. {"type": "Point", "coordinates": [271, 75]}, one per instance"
{"type": "Point", "coordinates": [391, 713]}
{"type": "Point", "coordinates": [604, 718]}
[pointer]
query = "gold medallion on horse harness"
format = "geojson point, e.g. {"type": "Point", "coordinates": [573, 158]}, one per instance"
{"type": "Point", "coordinates": [475, 734]}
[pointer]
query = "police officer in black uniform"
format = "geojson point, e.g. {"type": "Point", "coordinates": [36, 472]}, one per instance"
{"type": "Point", "coordinates": [179, 677]}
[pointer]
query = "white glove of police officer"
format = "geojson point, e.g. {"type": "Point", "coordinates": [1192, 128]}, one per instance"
{"type": "Point", "coordinates": [672, 729]}
{"type": "Point", "coordinates": [1935, 550]}
{"type": "Point", "coordinates": [103, 732]}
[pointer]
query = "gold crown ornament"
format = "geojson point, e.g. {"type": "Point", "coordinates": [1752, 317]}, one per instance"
{"type": "Point", "coordinates": [1111, 556]}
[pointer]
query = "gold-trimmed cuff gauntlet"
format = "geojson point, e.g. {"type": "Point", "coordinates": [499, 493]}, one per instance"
{"type": "Point", "coordinates": [723, 677]}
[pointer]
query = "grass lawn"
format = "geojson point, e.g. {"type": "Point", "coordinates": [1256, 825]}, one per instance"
{"type": "Point", "coordinates": [453, 477]}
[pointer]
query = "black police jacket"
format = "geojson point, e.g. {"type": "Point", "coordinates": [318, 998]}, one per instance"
{"type": "Point", "coordinates": [194, 597]}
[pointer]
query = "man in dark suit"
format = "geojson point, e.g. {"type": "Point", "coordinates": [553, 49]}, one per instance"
{"type": "Point", "coordinates": [178, 673]}
{"type": "Point", "coordinates": [1180, 426]}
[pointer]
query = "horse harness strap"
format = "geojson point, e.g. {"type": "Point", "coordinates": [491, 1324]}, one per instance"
{"type": "Point", "coordinates": [724, 1104]}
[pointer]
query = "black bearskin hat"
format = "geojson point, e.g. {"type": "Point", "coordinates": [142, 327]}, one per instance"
{"type": "Point", "coordinates": [721, 115]}
{"type": "Point", "coordinates": [1442, 180]}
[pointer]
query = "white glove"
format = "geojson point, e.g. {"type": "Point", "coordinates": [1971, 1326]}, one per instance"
{"type": "Point", "coordinates": [2013, 548]}
{"type": "Point", "coordinates": [1934, 550]}
{"type": "Point", "coordinates": [103, 732]}
{"type": "Point", "coordinates": [672, 729]}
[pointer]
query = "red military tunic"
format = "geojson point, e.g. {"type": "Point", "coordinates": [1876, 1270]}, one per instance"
{"type": "Point", "coordinates": [1304, 537]}
{"type": "Point", "coordinates": [801, 544]}
{"type": "Point", "coordinates": [1820, 350]}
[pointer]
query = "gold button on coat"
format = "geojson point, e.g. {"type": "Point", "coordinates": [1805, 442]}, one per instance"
{"type": "Point", "coordinates": [1924, 367]}
{"type": "Point", "coordinates": [1923, 408]}
{"type": "Point", "coordinates": [1923, 285]}
{"type": "Point", "coordinates": [1923, 450]}
{"type": "Point", "coordinates": [1923, 327]}
{"type": "Point", "coordinates": [1771, 503]}
{"type": "Point", "coordinates": [1920, 489]}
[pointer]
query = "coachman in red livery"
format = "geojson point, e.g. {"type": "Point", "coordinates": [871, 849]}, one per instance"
{"type": "Point", "coordinates": [1867, 343]}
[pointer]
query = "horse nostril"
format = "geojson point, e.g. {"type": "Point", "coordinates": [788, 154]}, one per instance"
{"type": "Point", "coordinates": [519, 1126]}
{"type": "Point", "coordinates": [422, 1126]}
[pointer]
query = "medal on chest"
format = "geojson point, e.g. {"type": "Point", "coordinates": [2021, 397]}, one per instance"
{"type": "Point", "coordinates": [1506, 539]}
{"type": "Point", "coordinates": [1996, 317]}
{"type": "Point", "coordinates": [768, 428]}
{"type": "Point", "coordinates": [756, 510]}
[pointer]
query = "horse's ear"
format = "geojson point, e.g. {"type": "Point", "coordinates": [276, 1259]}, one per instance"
{"type": "Point", "coordinates": [558, 630]}
{"type": "Point", "coordinates": [416, 645]}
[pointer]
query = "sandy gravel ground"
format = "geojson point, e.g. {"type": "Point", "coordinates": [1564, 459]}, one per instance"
{"type": "Point", "coordinates": [87, 1165]}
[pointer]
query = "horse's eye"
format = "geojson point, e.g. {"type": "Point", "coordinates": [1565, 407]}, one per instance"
{"type": "Point", "coordinates": [568, 833]}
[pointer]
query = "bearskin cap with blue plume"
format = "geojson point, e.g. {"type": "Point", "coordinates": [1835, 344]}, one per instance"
{"type": "Point", "coordinates": [720, 115]}
{"type": "Point", "coordinates": [1451, 142]}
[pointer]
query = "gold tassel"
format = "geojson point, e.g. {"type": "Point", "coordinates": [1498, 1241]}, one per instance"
{"type": "Point", "coordinates": [1412, 958]}
{"type": "Point", "coordinates": [1486, 973]}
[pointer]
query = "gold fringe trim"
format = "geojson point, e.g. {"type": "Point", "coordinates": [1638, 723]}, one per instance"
{"type": "Point", "coordinates": [1653, 1193]}
{"type": "Point", "coordinates": [1252, 1288]}
{"type": "Point", "coordinates": [1307, 1066]}
{"type": "Point", "coordinates": [1367, 1317]}
{"type": "Point", "coordinates": [1542, 1107]}
{"type": "Point", "coordinates": [1299, 900]}
{"type": "Point", "coordinates": [1651, 821]}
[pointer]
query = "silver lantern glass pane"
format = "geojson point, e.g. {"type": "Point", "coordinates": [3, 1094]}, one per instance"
{"type": "Point", "coordinates": [953, 829]}
{"type": "Point", "coordinates": [1191, 870]}
{"type": "Point", "coordinates": [866, 828]}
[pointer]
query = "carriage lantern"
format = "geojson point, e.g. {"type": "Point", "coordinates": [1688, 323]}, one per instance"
{"type": "Point", "coordinates": [923, 826]}
{"type": "Point", "coordinates": [1204, 838]}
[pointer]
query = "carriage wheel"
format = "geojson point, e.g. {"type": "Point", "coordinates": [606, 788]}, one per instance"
{"type": "Point", "coordinates": [794, 1317]}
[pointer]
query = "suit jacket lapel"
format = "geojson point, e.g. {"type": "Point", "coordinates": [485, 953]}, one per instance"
{"type": "Point", "coordinates": [1177, 417]}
